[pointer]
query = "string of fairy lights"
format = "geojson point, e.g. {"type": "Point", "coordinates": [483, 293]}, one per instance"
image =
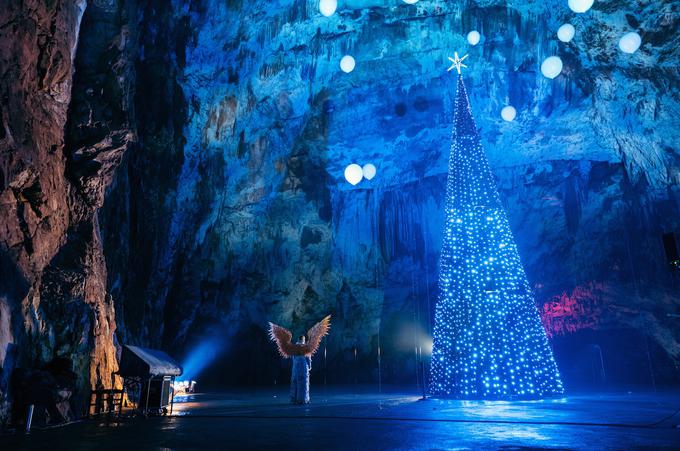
{"type": "Point", "coordinates": [488, 338]}
{"type": "Point", "coordinates": [489, 342]}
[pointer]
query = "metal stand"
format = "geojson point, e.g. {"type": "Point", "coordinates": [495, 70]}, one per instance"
{"type": "Point", "coordinates": [172, 395]}
{"type": "Point", "coordinates": [148, 392]}
{"type": "Point", "coordinates": [422, 374]}
{"type": "Point", "coordinates": [29, 418]}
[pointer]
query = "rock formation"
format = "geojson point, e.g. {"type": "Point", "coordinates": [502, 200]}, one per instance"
{"type": "Point", "coordinates": [57, 157]}
{"type": "Point", "coordinates": [178, 177]}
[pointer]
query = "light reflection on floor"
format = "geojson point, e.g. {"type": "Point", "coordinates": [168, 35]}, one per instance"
{"type": "Point", "coordinates": [613, 408]}
{"type": "Point", "coordinates": [360, 418]}
{"type": "Point", "coordinates": [521, 433]}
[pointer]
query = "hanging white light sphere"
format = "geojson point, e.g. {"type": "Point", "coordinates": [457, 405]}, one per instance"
{"type": "Point", "coordinates": [473, 37]}
{"type": "Point", "coordinates": [328, 7]}
{"type": "Point", "coordinates": [368, 171]}
{"type": "Point", "coordinates": [580, 6]}
{"type": "Point", "coordinates": [353, 173]}
{"type": "Point", "coordinates": [509, 113]}
{"type": "Point", "coordinates": [630, 42]}
{"type": "Point", "coordinates": [347, 64]}
{"type": "Point", "coordinates": [551, 67]}
{"type": "Point", "coordinates": [566, 32]}
{"type": "Point", "coordinates": [411, 2]}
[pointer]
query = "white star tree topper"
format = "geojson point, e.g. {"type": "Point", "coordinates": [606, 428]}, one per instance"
{"type": "Point", "coordinates": [456, 62]}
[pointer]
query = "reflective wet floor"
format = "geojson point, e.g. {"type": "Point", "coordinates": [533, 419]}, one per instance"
{"type": "Point", "coordinates": [348, 418]}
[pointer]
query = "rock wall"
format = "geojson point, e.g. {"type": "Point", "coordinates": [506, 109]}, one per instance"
{"type": "Point", "coordinates": [65, 85]}
{"type": "Point", "coordinates": [236, 212]}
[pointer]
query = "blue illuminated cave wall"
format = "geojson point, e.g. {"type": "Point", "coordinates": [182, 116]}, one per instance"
{"type": "Point", "coordinates": [232, 210]}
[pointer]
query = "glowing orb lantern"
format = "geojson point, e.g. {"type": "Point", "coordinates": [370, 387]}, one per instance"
{"type": "Point", "coordinates": [368, 171]}
{"type": "Point", "coordinates": [551, 67]}
{"type": "Point", "coordinates": [630, 42]}
{"type": "Point", "coordinates": [509, 113]}
{"type": "Point", "coordinates": [411, 2]}
{"type": "Point", "coordinates": [580, 6]}
{"type": "Point", "coordinates": [566, 32]}
{"type": "Point", "coordinates": [347, 64]}
{"type": "Point", "coordinates": [328, 7]}
{"type": "Point", "coordinates": [354, 173]}
{"type": "Point", "coordinates": [473, 37]}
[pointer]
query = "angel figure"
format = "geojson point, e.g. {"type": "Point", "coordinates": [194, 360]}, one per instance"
{"type": "Point", "coordinates": [301, 352]}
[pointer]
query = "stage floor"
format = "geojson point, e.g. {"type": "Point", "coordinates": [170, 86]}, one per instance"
{"type": "Point", "coordinates": [353, 418]}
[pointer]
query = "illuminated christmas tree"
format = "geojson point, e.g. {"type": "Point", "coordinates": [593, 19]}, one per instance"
{"type": "Point", "coordinates": [489, 342]}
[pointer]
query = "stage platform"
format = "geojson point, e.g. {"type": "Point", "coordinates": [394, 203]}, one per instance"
{"type": "Point", "coordinates": [349, 417]}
